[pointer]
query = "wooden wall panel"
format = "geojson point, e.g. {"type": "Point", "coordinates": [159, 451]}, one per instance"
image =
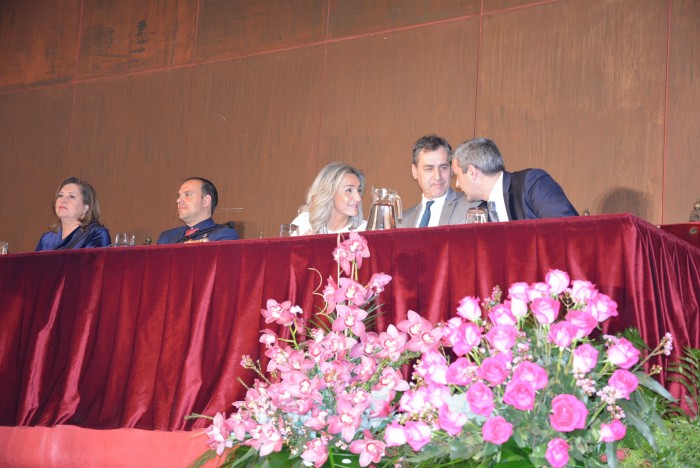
{"type": "Point", "coordinates": [120, 36]}
{"type": "Point", "coordinates": [383, 92]}
{"type": "Point", "coordinates": [369, 16]}
{"type": "Point", "coordinates": [256, 132]}
{"type": "Point", "coordinates": [131, 140]}
{"type": "Point", "coordinates": [682, 181]}
{"type": "Point", "coordinates": [582, 99]}
{"type": "Point", "coordinates": [498, 5]}
{"type": "Point", "coordinates": [34, 128]}
{"type": "Point", "coordinates": [233, 28]}
{"type": "Point", "coordinates": [38, 41]}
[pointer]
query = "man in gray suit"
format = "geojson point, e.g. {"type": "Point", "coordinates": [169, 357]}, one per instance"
{"type": "Point", "coordinates": [440, 205]}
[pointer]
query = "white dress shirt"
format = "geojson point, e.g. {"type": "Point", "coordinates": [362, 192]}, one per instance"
{"type": "Point", "coordinates": [435, 210]}
{"type": "Point", "coordinates": [496, 196]}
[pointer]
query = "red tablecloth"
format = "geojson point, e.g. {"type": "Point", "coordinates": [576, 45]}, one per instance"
{"type": "Point", "coordinates": [689, 232]}
{"type": "Point", "coordinates": [141, 337]}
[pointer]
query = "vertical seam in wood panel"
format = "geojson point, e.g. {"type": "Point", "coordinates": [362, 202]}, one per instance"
{"type": "Point", "coordinates": [478, 61]}
{"type": "Point", "coordinates": [196, 31]}
{"type": "Point", "coordinates": [79, 41]}
{"type": "Point", "coordinates": [74, 90]}
{"type": "Point", "coordinates": [665, 149]}
{"type": "Point", "coordinates": [323, 83]}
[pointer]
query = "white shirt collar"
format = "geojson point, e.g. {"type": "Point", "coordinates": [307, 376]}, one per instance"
{"type": "Point", "coordinates": [496, 196]}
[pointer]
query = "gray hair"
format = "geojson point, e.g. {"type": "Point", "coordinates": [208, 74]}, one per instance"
{"type": "Point", "coordinates": [319, 198]}
{"type": "Point", "coordinates": [481, 153]}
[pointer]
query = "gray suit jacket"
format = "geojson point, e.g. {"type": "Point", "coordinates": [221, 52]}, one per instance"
{"type": "Point", "coordinates": [454, 211]}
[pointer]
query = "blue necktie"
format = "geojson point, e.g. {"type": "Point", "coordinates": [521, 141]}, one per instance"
{"type": "Point", "coordinates": [426, 214]}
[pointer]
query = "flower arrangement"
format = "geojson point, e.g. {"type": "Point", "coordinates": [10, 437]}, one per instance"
{"type": "Point", "coordinates": [517, 381]}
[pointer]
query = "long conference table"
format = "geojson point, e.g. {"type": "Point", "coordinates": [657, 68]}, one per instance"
{"type": "Point", "coordinates": [103, 352]}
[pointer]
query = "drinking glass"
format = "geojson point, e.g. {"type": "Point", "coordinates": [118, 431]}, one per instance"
{"type": "Point", "coordinates": [288, 230]}
{"type": "Point", "coordinates": [476, 216]}
{"type": "Point", "coordinates": [4, 248]}
{"type": "Point", "coordinates": [123, 239]}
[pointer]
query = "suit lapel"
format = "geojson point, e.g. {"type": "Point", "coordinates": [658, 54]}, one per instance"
{"type": "Point", "coordinates": [512, 195]}
{"type": "Point", "coordinates": [447, 208]}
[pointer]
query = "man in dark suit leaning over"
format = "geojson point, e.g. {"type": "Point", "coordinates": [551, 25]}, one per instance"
{"type": "Point", "coordinates": [196, 202]}
{"type": "Point", "coordinates": [526, 194]}
{"type": "Point", "coordinates": [440, 205]}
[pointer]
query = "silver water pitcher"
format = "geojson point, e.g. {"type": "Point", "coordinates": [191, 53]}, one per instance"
{"type": "Point", "coordinates": [386, 210]}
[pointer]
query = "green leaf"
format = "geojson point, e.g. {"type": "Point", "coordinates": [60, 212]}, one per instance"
{"type": "Point", "coordinates": [611, 453]}
{"type": "Point", "coordinates": [638, 423]}
{"type": "Point", "coordinates": [653, 385]}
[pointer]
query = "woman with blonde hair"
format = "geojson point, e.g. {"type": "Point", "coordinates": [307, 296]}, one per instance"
{"type": "Point", "coordinates": [333, 202]}
{"type": "Point", "coordinates": [78, 219]}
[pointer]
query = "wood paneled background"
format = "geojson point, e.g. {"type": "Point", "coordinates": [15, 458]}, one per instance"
{"type": "Point", "coordinates": [258, 95]}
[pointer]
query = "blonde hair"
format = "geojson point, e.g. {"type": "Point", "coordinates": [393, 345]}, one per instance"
{"type": "Point", "coordinates": [319, 198]}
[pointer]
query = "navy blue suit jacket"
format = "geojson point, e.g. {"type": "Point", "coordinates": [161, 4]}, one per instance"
{"type": "Point", "coordinates": [207, 229]}
{"type": "Point", "coordinates": [92, 235]}
{"type": "Point", "coordinates": [533, 194]}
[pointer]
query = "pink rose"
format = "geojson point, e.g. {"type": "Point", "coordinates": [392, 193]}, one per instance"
{"type": "Point", "coordinates": [568, 413]}
{"type": "Point", "coordinates": [557, 453]}
{"type": "Point", "coordinates": [557, 280]}
{"type": "Point", "coordinates": [451, 421]}
{"type": "Point", "coordinates": [624, 382]}
{"type": "Point", "coordinates": [562, 334]}
{"type": "Point", "coordinates": [520, 395]}
{"type": "Point", "coordinates": [394, 435]}
{"type": "Point", "coordinates": [612, 432]}
{"type": "Point", "coordinates": [417, 434]}
{"type": "Point", "coordinates": [460, 371]}
{"type": "Point", "coordinates": [581, 291]}
{"type": "Point", "coordinates": [480, 398]}
{"type": "Point", "coordinates": [493, 370]}
{"type": "Point", "coordinates": [501, 315]}
{"type": "Point", "coordinates": [497, 430]}
{"type": "Point", "coordinates": [518, 290]}
{"type": "Point", "coordinates": [463, 336]}
{"type": "Point", "coordinates": [545, 309]}
{"type": "Point", "coordinates": [623, 354]}
{"type": "Point", "coordinates": [517, 293]}
{"type": "Point", "coordinates": [585, 358]}
{"type": "Point", "coordinates": [536, 290]}
{"type": "Point", "coordinates": [583, 321]}
{"type": "Point", "coordinates": [517, 306]}
{"type": "Point", "coordinates": [602, 307]}
{"type": "Point", "coordinates": [469, 308]}
{"type": "Point", "coordinates": [532, 373]}
{"type": "Point", "coordinates": [502, 337]}
{"type": "Point", "coordinates": [433, 367]}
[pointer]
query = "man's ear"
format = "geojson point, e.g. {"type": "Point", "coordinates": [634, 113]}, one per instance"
{"type": "Point", "coordinates": [414, 171]}
{"type": "Point", "coordinates": [206, 200]}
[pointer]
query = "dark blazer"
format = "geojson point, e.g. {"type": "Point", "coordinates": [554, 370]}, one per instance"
{"type": "Point", "coordinates": [533, 194]}
{"type": "Point", "coordinates": [92, 235]}
{"type": "Point", "coordinates": [208, 230]}
{"type": "Point", "coordinates": [454, 211]}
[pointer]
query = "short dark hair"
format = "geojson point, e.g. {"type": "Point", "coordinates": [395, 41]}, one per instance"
{"type": "Point", "coordinates": [208, 188]}
{"type": "Point", "coordinates": [431, 143]}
